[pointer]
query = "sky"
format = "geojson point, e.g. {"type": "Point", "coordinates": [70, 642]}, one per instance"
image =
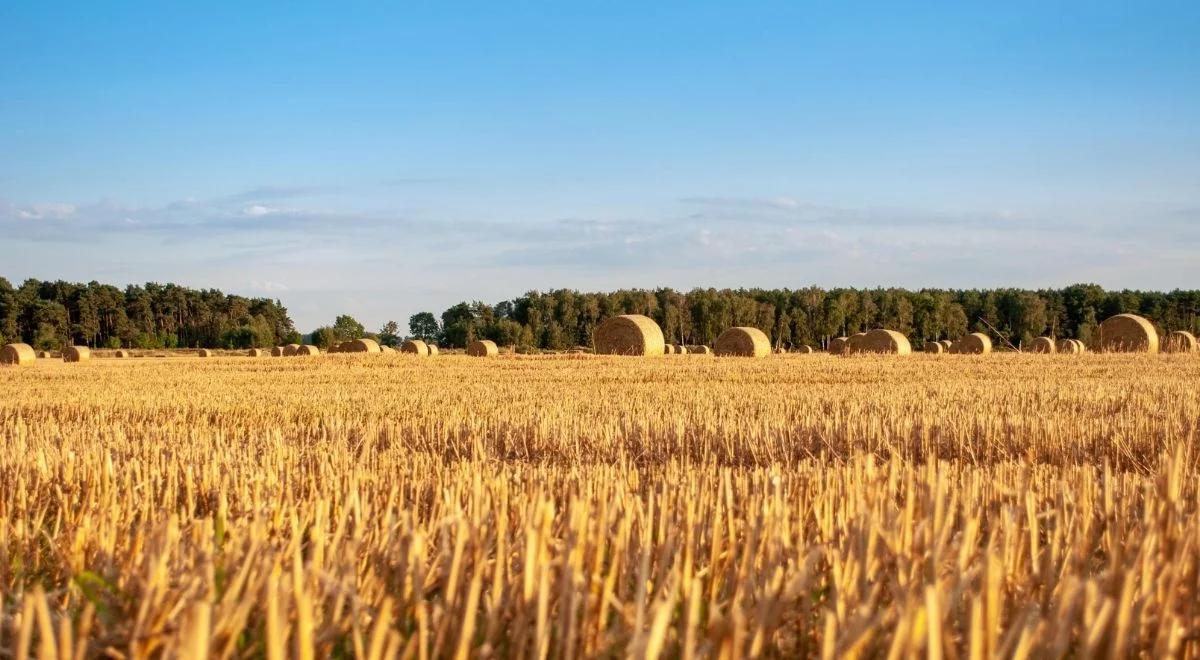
{"type": "Point", "coordinates": [379, 161]}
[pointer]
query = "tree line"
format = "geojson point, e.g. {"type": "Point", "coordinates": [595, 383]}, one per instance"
{"type": "Point", "coordinates": [49, 315]}
{"type": "Point", "coordinates": [562, 319]}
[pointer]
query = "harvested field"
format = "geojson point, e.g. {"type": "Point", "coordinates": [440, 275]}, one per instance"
{"type": "Point", "coordinates": [562, 506]}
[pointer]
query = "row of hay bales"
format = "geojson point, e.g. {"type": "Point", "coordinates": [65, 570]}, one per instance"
{"type": "Point", "coordinates": [19, 354]}
{"type": "Point", "coordinates": [635, 334]}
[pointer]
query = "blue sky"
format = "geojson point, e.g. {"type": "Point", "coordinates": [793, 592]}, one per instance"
{"type": "Point", "coordinates": [379, 161]}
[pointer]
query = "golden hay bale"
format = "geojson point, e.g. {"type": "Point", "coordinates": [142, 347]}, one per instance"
{"type": "Point", "coordinates": [1082, 346]}
{"type": "Point", "coordinates": [387, 349]}
{"type": "Point", "coordinates": [743, 342]}
{"type": "Point", "coordinates": [277, 351]}
{"type": "Point", "coordinates": [947, 343]}
{"type": "Point", "coordinates": [852, 340]}
{"type": "Point", "coordinates": [433, 349]}
{"type": "Point", "coordinates": [308, 349]}
{"type": "Point", "coordinates": [120, 353]}
{"type": "Point", "coordinates": [255, 352]}
{"type": "Point", "coordinates": [1042, 345]}
{"type": "Point", "coordinates": [76, 354]}
{"type": "Point", "coordinates": [804, 349]}
{"type": "Point", "coordinates": [629, 334]}
{"type": "Point", "coordinates": [17, 354]}
{"type": "Point", "coordinates": [1128, 333]}
{"type": "Point", "coordinates": [415, 347]}
{"type": "Point", "coordinates": [934, 347]}
{"type": "Point", "coordinates": [1069, 346]}
{"type": "Point", "coordinates": [1180, 341]}
{"type": "Point", "coordinates": [839, 345]}
{"type": "Point", "coordinates": [363, 345]}
{"type": "Point", "coordinates": [881, 341]}
{"type": "Point", "coordinates": [699, 349]}
{"type": "Point", "coordinates": [975, 343]}
{"type": "Point", "coordinates": [205, 352]}
{"type": "Point", "coordinates": [290, 350]}
{"type": "Point", "coordinates": [669, 349]}
{"type": "Point", "coordinates": [681, 349]}
{"type": "Point", "coordinates": [482, 348]}
{"type": "Point", "coordinates": [43, 354]}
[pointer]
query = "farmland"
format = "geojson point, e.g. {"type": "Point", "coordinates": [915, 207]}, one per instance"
{"type": "Point", "coordinates": [557, 506]}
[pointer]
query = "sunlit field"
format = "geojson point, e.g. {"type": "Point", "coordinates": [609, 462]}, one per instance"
{"type": "Point", "coordinates": [559, 506]}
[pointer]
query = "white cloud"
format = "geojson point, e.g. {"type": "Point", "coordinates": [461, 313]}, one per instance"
{"type": "Point", "coordinates": [45, 211]}
{"type": "Point", "coordinates": [258, 210]}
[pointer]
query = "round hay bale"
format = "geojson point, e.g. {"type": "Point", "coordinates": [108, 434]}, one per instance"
{"type": "Point", "coordinates": [804, 349]}
{"type": "Point", "coordinates": [387, 349]}
{"type": "Point", "coordinates": [308, 349]}
{"type": "Point", "coordinates": [934, 347]}
{"type": "Point", "coordinates": [1180, 341]}
{"type": "Point", "coordinates": [947, 343]}
{"type": "Point", "coordinates": [363, 345]}
{"type": "Point", "coordinates": [1042, 345]}
{"type": "Point", "coordinates": [669, 349]}
{"type": "Point", "coordinates": [415, 347]}
{"type": "Point", "coordinates": [779, 350]}
{"type": "Point", "coordinates": [205, 352]}
{"type": "Point", "coordinates": [839, 345]}
{"type": "Point", "coordinates": [975, 343]}
{"type": "Point", "coordinates": [255, 352]}
{"type": "Point", "coordinates": [76, 354]}
{"type": "Point", "coordinates": [1069, 346]}
{"type": "Point", "coordinates": [853, 340]}
{"type": "Point", "coordinates": [17, 354]}
{"type": "Point", "coordinates": [335, 347]}
{"type": "Point", "coordinates": [290, 350]}
{"type": "Point", "coordinates": [742, 342]}
{"type": "Point", "coordinates": [699, 349]}
{"type": "Point", "coordinates": [121, 353]}
{"type": "Point", "coordinates": [1128, 333]}
{"type": "Point", "coordinates": [881, 341]}
{"type": "Point", "coordinates": [681, 349]}
{"type": "Point", "coordinates": [483, 348]}
{"type": "Point", "coordinates": [1082, 346]}
{"type": "Point", "coordinates": [629, 334]}
{"type": "Point", "coordinates": [277, 351]}
{"type": "Point", "coordinates": [433, 349]}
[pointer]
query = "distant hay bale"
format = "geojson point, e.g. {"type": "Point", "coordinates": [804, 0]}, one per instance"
{"type": "Point", "coordinates": [839, 345]}
{"type": "Point", "coordinates": [669, 349]}
{"type": "Point", "coordinates": [385, 349]}
{"type": "Point", "coordinates": [1082, 346]}
{"type": "Point", "coordinates": [975, 343]}
{"type": "Point", "coordinates": [1042, 345]}
{"type": "Point", "coordinates": [415, 347]}
{"type": "Point", "coordinates": [1069, 346]}
{"type": "Point", "coordinates": [1180, 341]}
{"type": "Point", "coordinates": [934, 347]}
{"type": "Point", "coordinates": [629, 334]}
{"type": "Point", "coordinates": [483, 348]}
{"type": "Point", "coordinates": [947, 343]}
{"type": "Point", "coordinates": [335, 347]}
{"type": "Point", "coordinates": [681, 349]}
{"type": "Point", "coordinates": [363, 345]}
{"type": "Point", "coordinates": [1128, 333]}
{"type": "Point", "coordinates": [881, 341]}
{"type": "Point", "coordinates": [433, 349]}
{"type": "Point", "coordinates": [742, 342]}
{"type": "Point", "coordinates": [290, 350]}
{"type": "Point", "coordinates": [277, 351]}
{"type": "Point", "coordinates": [255, 352]}
{"type": "Point", "coordinates": [804, 349]}
{"type": "Point", "coordinates": [76, 354]}
{"type": "Point", "coordinates": [204, 352]}
{"type": "Point", "coordinates": [17, 354]}
{"type": "Point", "coordinates": [121, 353]}
{"type": "Point", "coordinates": [852, 340]}
{"type": "Point", "coordinates": [308, 349]}
{"type": "Point", "coordinates": [698, 349]}
{"type": "Point", "coordinates": [43, 354]}
{"type": "Point", "coordinates": [779, 350]}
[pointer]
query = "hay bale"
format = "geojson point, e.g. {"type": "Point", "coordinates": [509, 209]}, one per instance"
{"type": "Point", "coordinates": [1082, 346]}
{"type": "Point", "coordinates": [1128, 333]}
{"type": "Point", "coordinates": [76, 354]}
{"type": "Point", "coordinates": [975, 343]}
{"type": "Point", "coordinates": [121, 353]}
{"type": "Point", "coordinates": [947, 343]}
{"type": "Point", "coordinates": [839, 345]}
{"type": "Point", "coordinates": [17, 354]}
{"type": "Point", "coordinates": [415, 347]}
{"type": "Point", "coordinates": [934, 347]}
{"type": "Point", "coordinates": [363, 345]}
{"type": "Point", "coordinates": [205, 352]}
{"type": "Point", "coordinates": [433, 349]}
{"type": "Point", "coordinates": [629, 334]}
{"type": "Point", "coordinates": [387, 350]}
{"type": "Point", "coordinates": [1042, 345]}
{"type": "Point", "coordinates": [881, 341]}
{"type": "Point", "coordinates": [308, 349]}
{"type": "Point", "coordinates": [483, 348]}
{"type": "Point", "coordinates": [681, 349]}
{"type": "Point", "coordinates": [853, 340]}
{"type": "Point", "coordinates": [779, 350]}
{"type": "Point", "coordinates": [290, 350]}
{"type": "Point", "coordinates": [1180, 341]}
{"type": "Point", "coordinates": [255, 352]}
{"type": "Point", "coordinates": [668, 349]}
{"type": "Point", "coordinates": [804, 349]}
{"type": "Point", "coordinates": [277, 351]}
{"type": "Point", "coordinates": [699, 349]}
{"type": "Point", "coordinates": [43, 354]}
{"type": "Point", "coordinates": [742, 342]}
{"type": "Point", "coordinates": [1069, 346]}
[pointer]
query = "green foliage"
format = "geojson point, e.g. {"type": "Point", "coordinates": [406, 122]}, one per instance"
{"type": "Point", "coordinates": [348, 328]}
{"type": "Point", "coordinates": [324, 337]}
{"type": "Point", "coordinates": [389, 334]}
{"type": "Point", "coordinates": [424, 326]}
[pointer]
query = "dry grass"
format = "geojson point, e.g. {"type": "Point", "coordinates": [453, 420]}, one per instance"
{"type": "Point", "coordinates": [587, 505]}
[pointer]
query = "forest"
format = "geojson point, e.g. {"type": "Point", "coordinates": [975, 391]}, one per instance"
{"type": "Point", "coordinates": [52, 314]}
